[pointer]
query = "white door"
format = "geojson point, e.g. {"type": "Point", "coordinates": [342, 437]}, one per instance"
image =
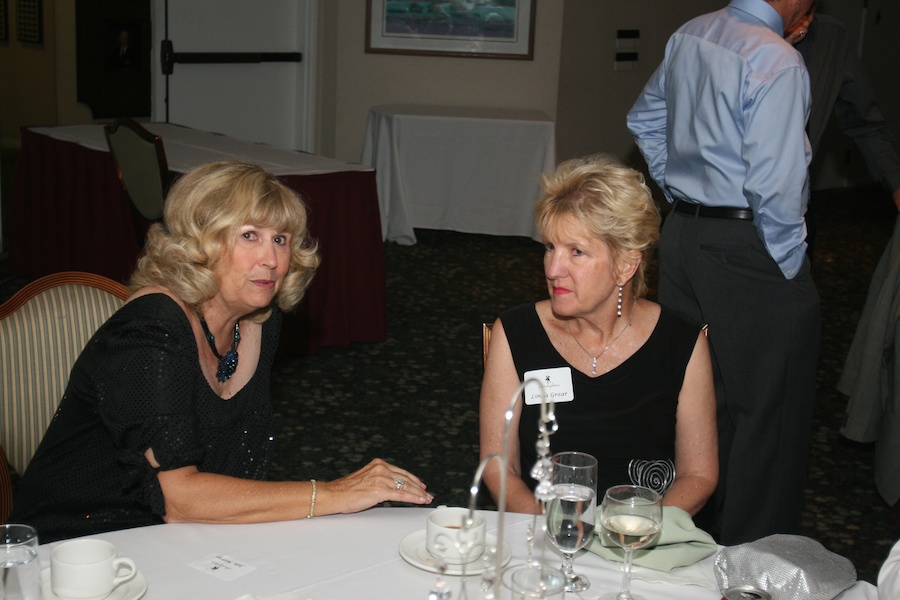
{"type": "Point", "coordinates": [269, 102]}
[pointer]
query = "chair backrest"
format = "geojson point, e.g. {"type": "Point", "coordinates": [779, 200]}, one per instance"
{"type": "Point", "coordinates": [43, 329]}
{"type": "Point", "coordinates": [485, 340]}
{"type": "Point", "coordinates": [6, 495]}
{"type": "Point", "coordinates": [140, 161]}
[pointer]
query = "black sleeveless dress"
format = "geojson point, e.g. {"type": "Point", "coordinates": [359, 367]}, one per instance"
{"type": "Point", "coordinates": [626, 417]}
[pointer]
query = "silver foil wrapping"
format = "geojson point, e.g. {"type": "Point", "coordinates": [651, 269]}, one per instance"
{"type": "Point", "coordinates": [787, 567]}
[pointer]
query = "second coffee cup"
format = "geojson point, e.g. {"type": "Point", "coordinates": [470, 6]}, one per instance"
{"type": "Point", "coordinates": [87, 569]}
{"type": "Point", "coordinates": [447, 538]}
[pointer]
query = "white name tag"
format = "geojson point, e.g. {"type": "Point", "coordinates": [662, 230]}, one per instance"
{"type": "Point", "coordinates": [222, 566]}
{"type": "Point", "coordinates": [557, 385]}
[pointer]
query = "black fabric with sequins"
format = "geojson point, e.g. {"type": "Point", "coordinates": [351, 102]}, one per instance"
{"type": "Point", "coordinates": [138, 385]}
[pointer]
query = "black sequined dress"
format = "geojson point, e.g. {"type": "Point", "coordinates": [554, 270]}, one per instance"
{"type": "Point", "coordinates": [138, 385]}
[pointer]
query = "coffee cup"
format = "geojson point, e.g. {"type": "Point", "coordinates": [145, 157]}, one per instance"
{"type": "Point", "coordinates": [88, 569]}
{"type": "Point", "coordinates": [455, 535]}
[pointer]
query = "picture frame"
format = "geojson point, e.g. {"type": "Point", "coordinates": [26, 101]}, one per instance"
{"type": "Point", "coordinates": [461, 28]}
{"type": "Point", "coordinates": [30, 21]}
{"type": "Point", "coordinates": [4, 22]}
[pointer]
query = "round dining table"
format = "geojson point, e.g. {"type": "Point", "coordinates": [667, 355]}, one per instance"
{"type": "Point", "coordinates": [372, 554]}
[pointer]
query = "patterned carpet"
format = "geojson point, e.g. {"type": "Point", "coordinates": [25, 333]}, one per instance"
{"type": "Point", "coordinates": [413, 399]}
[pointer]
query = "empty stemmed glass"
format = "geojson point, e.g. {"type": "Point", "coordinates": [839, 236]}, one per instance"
{"type": "Point", "coordinates": [630, 517]}
{"type": "Point", "coordinates": [571, 513]}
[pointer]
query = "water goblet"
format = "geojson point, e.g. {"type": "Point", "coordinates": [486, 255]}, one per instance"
{"type": "Point", "coordinates": [20, 570]}
{"type": "Point", "coordinates": [630, 517]}
{"type": "Point", "coordinates": [570, 515]}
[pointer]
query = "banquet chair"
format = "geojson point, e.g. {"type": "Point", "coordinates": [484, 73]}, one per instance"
{"type": "Point", "coordinates": [6, 495]}
{"type": "Point", "coordinates": [141, 166]}
{"type": "Point", "coordinates": [485, 340]}
{"type": "Point", "coordinates": [43, 329]}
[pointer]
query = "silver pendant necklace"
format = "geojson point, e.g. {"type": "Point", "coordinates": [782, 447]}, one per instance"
{"type": "Point", "coordinates": [605, 348]}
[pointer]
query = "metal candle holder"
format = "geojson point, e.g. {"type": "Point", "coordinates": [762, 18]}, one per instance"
{"type": "Point", "coordinates": [492, 577]}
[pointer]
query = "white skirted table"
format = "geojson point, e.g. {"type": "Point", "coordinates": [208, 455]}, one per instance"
{"type": "Point", "coordinates": [473, 170]}
{"type": "Point", "coordinates": [71, 214]}
{"type": "Point", "coordinates": [348, 557]}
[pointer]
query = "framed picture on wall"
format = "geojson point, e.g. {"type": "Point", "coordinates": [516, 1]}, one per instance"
{"type": "Point", "coordinates": [4, 22]}
{"type": "Point", "coordinates": [30, 21]}
{"type": "Point", "coordinates": [467, 28]}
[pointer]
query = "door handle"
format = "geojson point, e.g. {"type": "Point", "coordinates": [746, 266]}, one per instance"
{"type": "Point", "coordinates": [168, 57]}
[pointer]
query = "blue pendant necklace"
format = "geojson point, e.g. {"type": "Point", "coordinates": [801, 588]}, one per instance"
{"type": "Point", "coordinates": [228, 363]}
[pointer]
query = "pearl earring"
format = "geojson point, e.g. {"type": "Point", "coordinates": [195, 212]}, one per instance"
{"type": "Point", "coordinates": [619, 305]}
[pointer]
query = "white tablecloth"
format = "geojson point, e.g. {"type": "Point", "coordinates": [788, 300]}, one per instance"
{"type": "Point", "coordinates": [186, 148]}
{"type": "Point", "coordinates": [474, 170]}
{"type": "Point", "coordinates": [353, 557]}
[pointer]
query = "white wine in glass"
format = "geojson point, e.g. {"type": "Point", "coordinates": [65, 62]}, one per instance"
{"type": "Point", "coordinates": [631, 517]}
{"type": "Point", "coordinates": [571, 514]}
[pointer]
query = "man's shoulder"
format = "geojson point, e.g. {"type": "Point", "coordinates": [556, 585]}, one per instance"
{"type": "Point", "coordinates": [702, 22]}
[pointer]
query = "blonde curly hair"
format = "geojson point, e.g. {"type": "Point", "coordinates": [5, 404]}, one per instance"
{"type": "Point", "coordinates": [611, 201]}
{"type": "Point", "coordinates": [202, 214]}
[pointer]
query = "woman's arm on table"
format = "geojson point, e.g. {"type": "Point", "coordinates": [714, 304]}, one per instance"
{"type": "Point", "coordinates": [193, 496]}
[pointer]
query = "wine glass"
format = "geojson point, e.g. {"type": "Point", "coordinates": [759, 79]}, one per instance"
{"type": "Point", "coordinates": [571, 514]}
{"type": "Point", "coordinates": [631, 517]}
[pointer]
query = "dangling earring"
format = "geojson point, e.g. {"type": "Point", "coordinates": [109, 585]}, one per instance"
{"type": "Point", "coordinates": [619, 305]}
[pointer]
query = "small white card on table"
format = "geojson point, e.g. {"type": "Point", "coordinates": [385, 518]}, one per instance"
{"type": "Point", "coordinates": [222, 566]}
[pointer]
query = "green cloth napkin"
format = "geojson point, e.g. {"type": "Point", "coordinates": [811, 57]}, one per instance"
{"type": "Point", "coordinates": [680, 543]}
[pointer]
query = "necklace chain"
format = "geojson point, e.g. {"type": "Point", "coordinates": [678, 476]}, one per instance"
{"type": "Point", "coordinates": [228, 363]}
{"type": "Point", "coordinates": [605, 348]}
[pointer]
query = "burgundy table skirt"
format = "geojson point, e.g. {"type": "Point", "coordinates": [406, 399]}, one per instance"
{"type": "Point", "coordinates": [70, 213]}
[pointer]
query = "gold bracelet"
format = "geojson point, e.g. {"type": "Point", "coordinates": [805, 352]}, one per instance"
{"type": "Point", "coordinates": [312, 503]}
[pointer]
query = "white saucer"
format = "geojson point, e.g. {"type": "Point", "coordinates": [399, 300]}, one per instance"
{"type": "Point", "coordinates": [132, 590]}
{"type": "Point", "coordinates": [413, 551]}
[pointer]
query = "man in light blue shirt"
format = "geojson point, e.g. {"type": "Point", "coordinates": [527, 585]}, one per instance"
{"type": "Point", "coordinates": [721, 126]}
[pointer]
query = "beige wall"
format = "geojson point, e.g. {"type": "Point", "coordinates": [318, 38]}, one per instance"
{"type": "Point", "coordinates": [27, 78]}
{"type": "Point", "coordinates": [37, 81]}
{"type": "Point", "coordinates": [593, 97]}
{"type": "Point", "coordinates": [365, 80]}
{"type": "Point", "coordinates": [571, 77]}
{"type": "Point", "coordinates": [69, 111]}
{"type": "Point", "coordinates": [326, 86]}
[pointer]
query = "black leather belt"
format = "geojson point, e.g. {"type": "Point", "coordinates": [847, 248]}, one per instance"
{"type": "Point", "coordinates": [713, 212]}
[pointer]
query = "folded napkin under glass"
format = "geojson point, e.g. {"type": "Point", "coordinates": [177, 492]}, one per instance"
{"type": "Point", "coordinates": [786, 567]}
{"type": "Point", "coordinates": [680, 544]}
